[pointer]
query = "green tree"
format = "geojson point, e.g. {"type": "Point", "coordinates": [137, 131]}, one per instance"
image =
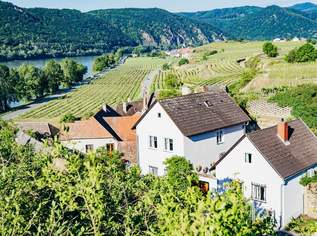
{"type": "Point", "coordinates": [104, 62]}
{"type": "Point", "coordinates": [180, 173]}
{"type": "Point", "coordinates": [8, 80]}
{"type": "Point", "coordinates": [32, 83]}
{"type": "Point", "coordinates": [270, 49]}
{"type": "Point", "coordinates": [54, 75]}
{"type": "Point", "coordinates": [305, 53]}
{"type": "Point", "coordinates": [171, 81]}
{"type": "Point", "coordinates": [73, 72]}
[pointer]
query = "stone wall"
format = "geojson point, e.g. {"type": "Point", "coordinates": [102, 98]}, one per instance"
{"type": "Point", "coordinates": [310, 201]}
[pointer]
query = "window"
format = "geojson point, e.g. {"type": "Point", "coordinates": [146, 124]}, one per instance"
{"type": "Point", "coordinates": [89, 148]}
{"type": "Point", "coordinates": [204, 186]}
{"type": "Point", "coordinates": [259, 192]}
{"type": "Point", "coordinates": [220, 137]}
{"type": "Point", "coordinates": [248, 158]}
{"type": "Point", "coordinates": [153, 170]}
{"type": "Point", "coordinates": [168, 144]}
{"type": "Point", "coordinates": [153, 142]}
{"type": "Point", "coordinates": [159, 115]}
{"type": "Point", "coordinates": [110, 147]}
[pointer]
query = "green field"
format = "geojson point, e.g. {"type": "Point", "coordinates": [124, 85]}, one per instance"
{"type": "Point", "coordinates": [118, 85]}
{"type": "Point", "coordinates": [222, 68]}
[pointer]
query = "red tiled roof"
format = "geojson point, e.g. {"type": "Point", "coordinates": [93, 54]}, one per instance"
{"type": "Point", "coordinates": [87, 129]}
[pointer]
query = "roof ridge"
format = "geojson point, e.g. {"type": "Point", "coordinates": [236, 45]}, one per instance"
{"type": "Point", "coordinates": [191, 94]}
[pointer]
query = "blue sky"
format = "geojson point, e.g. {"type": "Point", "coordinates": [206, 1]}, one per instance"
{"type": "Point", "coordinates": [171, 5]}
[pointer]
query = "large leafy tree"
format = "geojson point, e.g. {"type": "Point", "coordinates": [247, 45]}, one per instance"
{"type": "Point", "coordinates": [54, 75]}
{"type": "Point", "coordinates": [73, 72]}
{"type": "Point", "coordinates": [32, 82]}
{"type": "Point", "coordinates": [8, 80]}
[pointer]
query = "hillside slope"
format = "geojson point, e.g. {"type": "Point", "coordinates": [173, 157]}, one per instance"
{"type": "Point", "coordinates": [40, 32]}
{"type": "Point", "coordinates": [159, 27]}
{"type": "Point", "coordinates": [261, 23]}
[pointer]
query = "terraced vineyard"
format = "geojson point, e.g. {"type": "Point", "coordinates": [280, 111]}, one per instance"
{"type": "Point", "coordinates": [222, 72]}
{"type": "Point", "coordinates": [116, 86]}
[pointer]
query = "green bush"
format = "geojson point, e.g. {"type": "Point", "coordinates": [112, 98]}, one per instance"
{"type": "Point", "coordinates": [270, 49]}
{"type": "Point", "coordinates": [168, 93]}
{"type": "Point", "coordinates": [303, 226]}
{"type": "Point", "coordinates": [305, 53]}
{"type": "Point", "coordinates": [68, 118]}
{"type": "Point", "coordinates": [306, 180]}
{"type": "Point", "coordinates": [166, 66]}
{"type": "Point", "coordinates": [303, 101]}
{"type": "Point", "coordinates": [183, 61]}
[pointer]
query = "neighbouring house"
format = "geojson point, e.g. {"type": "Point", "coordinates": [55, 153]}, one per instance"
{"type": "Point", "coordinates": [200, 127]}
{"type": "Point", "coordinates": [34, 133]}
{"type": "Point", "coordinates": [110, 128]}
{"type": "Point", "coordinates": [270, 163]}
{"type": "Point", "coordinates": [39, 129]}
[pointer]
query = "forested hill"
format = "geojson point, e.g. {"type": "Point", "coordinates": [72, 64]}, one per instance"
{"type": "Point", "coordinates": [39, 32]}
{"type": "Point", "coordinates": [263, 23]}
{"type": "Point", "coordinates": [159, 27]}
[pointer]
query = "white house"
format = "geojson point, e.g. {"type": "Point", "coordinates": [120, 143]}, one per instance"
{"type": "Point", "coordinates": [270, 164]}
{"type": "Point", "coordinates": [199, 126]}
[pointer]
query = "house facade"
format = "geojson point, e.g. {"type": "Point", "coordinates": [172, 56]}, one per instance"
{"type": "Point", "coordinates": [109, 128]}
{"type": "Point", "coordinates": [270, 163]}
{"type": "Point", "coordinates": [199, 127]}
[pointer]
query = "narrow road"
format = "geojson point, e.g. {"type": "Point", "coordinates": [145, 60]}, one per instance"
{"type": "Point", "coordinates": [36, 104]}
{"type": "Point", "coordinates": [147, 82]}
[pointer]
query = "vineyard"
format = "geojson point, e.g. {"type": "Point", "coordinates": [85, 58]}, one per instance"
{"type": "Point", "coordinates": [116, 86]}
{"type": "Point", "coordinates": [218, 72]}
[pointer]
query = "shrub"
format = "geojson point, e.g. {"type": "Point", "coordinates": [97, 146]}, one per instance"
{"type": "Point", "coordinates": [305, 53]}
{"type": "Point", "coordinates": [270, 49]}
{"type": "Point", "coordinates": [306, 180]}
{"type": "Point", "coordinates": [168, 93]}
{"type": "Point", "coordinates": [171, 82]}
{"type": "Point", "coordinates": [166, 66]}
{"type": "Point", "coordinates": [302, 225]}
{"type": "Point", "coordinates": [183, 61]}
{"type": "Point", "coordinates": [303, 101]}
{"type": "Point", "coordinates": [68, 118]}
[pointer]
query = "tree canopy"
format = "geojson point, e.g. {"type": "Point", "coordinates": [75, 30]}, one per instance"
{"type": "Point", "coordinates": [305, 53]}
{"type": "Point", "coordinates": [270, 49]}
{"type": "Point", "coordinates": [98, 194]}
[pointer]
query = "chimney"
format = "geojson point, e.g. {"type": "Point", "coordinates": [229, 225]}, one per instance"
{"type": "Point", "coordinates": [124, 107]}
{"type": "Point", "coordinates": [282, 131]}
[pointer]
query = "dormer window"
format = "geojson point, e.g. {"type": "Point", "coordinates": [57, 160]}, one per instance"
{"type": "Point", "coordinates": [208, 103]}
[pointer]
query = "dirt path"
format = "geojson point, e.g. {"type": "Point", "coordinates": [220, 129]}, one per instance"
{"type": "Point", "coordinates": [36, 104]}
{"type": "Point", "coordinates": [147, 82]}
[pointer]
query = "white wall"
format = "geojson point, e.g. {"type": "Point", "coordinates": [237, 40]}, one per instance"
{"type": "Point", "coordinates": [293, 198]}
{"type": "Point", "coordinates": [163, 127]}
{"type": "Point", "coordinates": [258, 172]}
{"type": "Point", "coordinates": [203, 149]}
{"type": "Point", "coordinates": [80, 144]}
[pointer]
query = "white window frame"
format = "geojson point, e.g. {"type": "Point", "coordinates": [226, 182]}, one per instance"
{"type": "Point", "coordinates": [248, 158]}
{"type": "Point", "coordinates": [167, 145]}
{"type": "Point", "coordinates": [153, 170]}
{"type": "Point", "coordinates": [256, 192]}
{"type": "Point", "coordinates": [220, 135]}
{"type": "Point", "coordinates": [153, 144]}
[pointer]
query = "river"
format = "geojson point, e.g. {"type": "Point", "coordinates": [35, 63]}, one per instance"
{"type": "Point", "coordinates": [85, 60]}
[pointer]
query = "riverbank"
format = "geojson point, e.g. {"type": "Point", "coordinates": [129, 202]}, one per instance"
{"type": "Point", "coordinates": [20, 110]}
